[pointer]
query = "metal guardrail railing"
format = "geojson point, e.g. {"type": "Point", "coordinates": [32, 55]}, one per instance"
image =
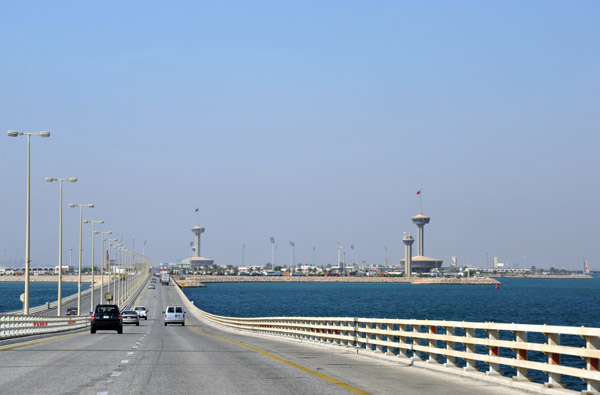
{"type": "Point", "coordinates": [12, 326]}
{"type": "Point", "coordinates": [18, 325]}
{"type": "Point", "coordinates": [529, 352]}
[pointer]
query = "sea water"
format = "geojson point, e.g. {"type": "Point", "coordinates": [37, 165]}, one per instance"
{"type": "Point", "coordinates": [564, 302]}
{"type": "Point", "coordinates": [39, 293]}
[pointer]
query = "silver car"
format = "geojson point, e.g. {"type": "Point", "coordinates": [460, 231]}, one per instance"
{"type": "Point", "coordinates": [130, 317]}
{"type": "Point", "coordinates": [142, 312]}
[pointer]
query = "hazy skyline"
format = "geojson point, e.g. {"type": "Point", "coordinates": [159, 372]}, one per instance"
{"type": "Point", "coordinates": [314, 122]}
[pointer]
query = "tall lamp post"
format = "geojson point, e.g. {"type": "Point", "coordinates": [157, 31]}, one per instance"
{"type": "Point", "coordinates": [111, 242]}
{"type": "Point", "coordinates": [81, 206]}
{"type": "Point", "coordinates": [14, 133]}
{"type": "Point", "coordinates": [93, 279]}
{"type": "Point", "coordinates": [60, 267]}
{"type": "Point", "coordinates": [273, 253]}
{"type": "Point", "coordinates": [103, 266]}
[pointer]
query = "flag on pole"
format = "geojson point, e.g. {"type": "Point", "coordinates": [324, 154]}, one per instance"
{"type": "Point", "coordinates": [419, 192]}
{"type": "Point", "coordinates": [196, 210]}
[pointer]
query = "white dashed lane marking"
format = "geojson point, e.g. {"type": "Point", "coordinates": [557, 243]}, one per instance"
{"type": "Point", "coordinates": [116, 373]}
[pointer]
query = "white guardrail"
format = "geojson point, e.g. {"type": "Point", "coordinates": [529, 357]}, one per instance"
{"type": "Point", "coordinates": [542, 353]}
{"type": "Point", "coordinates": [26, 325]}
{"type": "Point", "coordinates": [17, 325]}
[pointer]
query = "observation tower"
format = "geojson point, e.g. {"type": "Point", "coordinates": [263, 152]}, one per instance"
{"type": "Point", "coordinates": [420, 262]}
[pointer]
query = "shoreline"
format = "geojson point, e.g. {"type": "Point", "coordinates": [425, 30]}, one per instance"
{"type": "Point", "coordinates": [200, 280]}
{"type": "Point", "coordinates": [53, 279]}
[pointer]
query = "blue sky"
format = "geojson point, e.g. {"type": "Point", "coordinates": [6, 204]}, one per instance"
{"type": "Point", "coordinates": [314, 122]}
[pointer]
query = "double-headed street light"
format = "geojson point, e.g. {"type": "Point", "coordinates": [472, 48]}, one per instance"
{"type": "Point", "coordinates": [14, 133]}
{"type": "Point", "coordinates": [93, 280]}
{"type": "Point", "coordinates": [60, 268]}
{"type": "Point", "coordinates": [81, 206]}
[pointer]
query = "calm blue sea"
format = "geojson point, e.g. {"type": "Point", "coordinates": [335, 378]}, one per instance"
{"type": "Point", "coordinates": [39, 293]}
{"type": "Point", "coordinates": [526, 301]}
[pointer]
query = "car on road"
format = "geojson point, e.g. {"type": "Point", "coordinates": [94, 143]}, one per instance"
{"type": "Point", "coordinates": [142, 312]}
{"type": "Point", "coordinates": [174, 315]}
{"type": "Point", "coordinates": [130, 317]}
{"type": "Point", "coordinates": [72, 311]}
{"type": "Point", "coordinates": [106, 317]}
{"type": "Point", "coordinates": [151, 286]}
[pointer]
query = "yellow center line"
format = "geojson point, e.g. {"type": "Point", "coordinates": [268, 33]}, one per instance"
{"type": "Point", "coordinates": [40, 341]}
{"type": "Point", "coordinates": [289, 363]}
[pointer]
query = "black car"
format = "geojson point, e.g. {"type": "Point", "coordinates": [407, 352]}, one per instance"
{"type": "Point", "coordinates": [106, 317]}
{"type": "Point", "coordinates": [72, 311]}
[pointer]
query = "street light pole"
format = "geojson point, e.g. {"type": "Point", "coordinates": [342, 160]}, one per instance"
{"type": "Point", "coordinates": [103, 266]}
{"type": "Point", "coordinates": [273, 253]}
{"type": "Point", "coordinates": [93, 279]}
{"type": "Point", "coordinates": [339, 257]}
{"type": "Point", "coordinates": [59, 300]}
{"type": "Point", "coordinates": [81, 206]}
{"type": "Point", "coordinates": [14, 133]}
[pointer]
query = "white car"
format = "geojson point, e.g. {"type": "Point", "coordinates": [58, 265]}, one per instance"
{"type": "Point", "coordinates": [174, 315]}
{"type": "Point", "coordinates": [142, 312]}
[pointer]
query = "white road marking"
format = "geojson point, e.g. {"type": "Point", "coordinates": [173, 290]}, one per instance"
{"type": "Point", "coordinates": [130, 353]}
{"type": "Point", "coordinates": [125, 361]}
{"type": "Point", "coordinates": [116, 373]}
{"type": "Point", "coordinates": [102, 393]}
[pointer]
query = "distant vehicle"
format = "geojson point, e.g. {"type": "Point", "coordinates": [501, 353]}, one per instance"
{"type": "Point", "coordinates": [72, 311]}
{"type": "Point", "coordinates": [130, 317]}
{"type": "Point", "coordinates": [174, 315]}
{"type": "Point", "coordinates": [142, 312]}
{"type": "Point", "coordinates": [165, 278]}
{"type": "Point", "coordinates": [151, 286]}
{"type": "Point", "coordinates": [106, 317]}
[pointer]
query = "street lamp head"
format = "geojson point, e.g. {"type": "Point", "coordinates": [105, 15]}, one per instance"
{"type": "Point", "coordinates": [72, 205]}
{"type": "Point", "coordinates": [89, 205]}
{"type": "Point", "coordinates": [13, 133]}
{"type": "Point", "coordinates": [85, 221]}
{"type": "Point", "coordinates": [50, 179]}
{"type": "Point", "coordinates": [100, 221]}
{"type": "Point", "coordinates": [45, 134]}
{"type": "Point", "coordinates": [72, 179]}
{"type": "Point", "coordinates": [97, 232]}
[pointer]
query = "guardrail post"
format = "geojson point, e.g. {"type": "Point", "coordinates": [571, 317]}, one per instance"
{"type": "Point", "coordinates": [420, 355]}
{"type": "Point", "coordinates": [592, 343]}
{"type": "Point", "coordinates": [403, 339]}
{"type": "Point", "coordinates": [378, 338]}
{"type": "Point", "coordinates": [521, 337]}
{"type": "Point", "coordinates": [553, 359]}
{"type": "Point", "coordinates": [471, 349]}
{"type": "Point", "coordinates": [493, 351]}
{"type": "Point", "coordinates": [450, 359]}
{"type": "Point", "coordinates": [432, 343]}
{"type": "Point", "coordinates": [355, 333]}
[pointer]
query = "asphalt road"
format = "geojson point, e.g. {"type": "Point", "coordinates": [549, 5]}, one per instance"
{"type": "Point", "coordinates": [201, 359]}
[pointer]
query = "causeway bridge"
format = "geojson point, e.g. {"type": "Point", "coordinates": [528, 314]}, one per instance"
{"type": "Point", "coordinates": [221, 355]}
